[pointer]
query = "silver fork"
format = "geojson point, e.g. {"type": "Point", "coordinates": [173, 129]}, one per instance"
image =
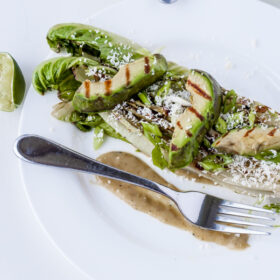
{"type": "Point", "coordinates": [201, 209]}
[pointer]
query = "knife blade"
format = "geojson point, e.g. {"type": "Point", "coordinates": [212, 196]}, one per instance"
{"type": "Point", "coordinates": [275, 3]}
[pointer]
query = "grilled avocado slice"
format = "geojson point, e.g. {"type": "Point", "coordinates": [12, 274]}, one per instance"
{"type": "Point", "coordinates": [194, 122]}
{"type": "Point", "coordinates": [131, 78]}
{"type": "Point", "coordinates": [249, 141]}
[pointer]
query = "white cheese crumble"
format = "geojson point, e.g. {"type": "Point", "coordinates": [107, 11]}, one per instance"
{"type": "Point", "coordinates": [250, 172]}
{"type": "Point", "coordinates": [228, 64]}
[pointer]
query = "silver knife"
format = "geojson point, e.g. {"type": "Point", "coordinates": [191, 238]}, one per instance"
{"type": "Point", "coordinates": [275, 3]}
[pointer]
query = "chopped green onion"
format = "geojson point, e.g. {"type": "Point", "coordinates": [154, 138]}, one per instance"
{"type": "Point", "coordinates": [206, 143]}
{"type": "Point", "coordinates": [151, 128]}
{"type": "Point", "coordinates": [158, 157]}
{"type": "Point", "coordinates": [269, 155]}
{"type": "Point", "coordinates": [221, 125]}
{"type": "Point", "coordinates": [230, 102]}
{"type": "Point", "coordinates": [76, 117]}
{"type": "Point", "coordinates": [235, 119]}
{"type": "Point", "coordinates": [216, 162]}
{"type": "Point", "coordinates": [98, 137]}
{"type": "Point", "coordinates": [111, 131]}
{"type": "Point", "coordinates": [231, 121]}
{"type": "Point", "coordinates": [84, 128]}
{"type": "Point", "coordinates": [252, 118]}
{"type": "Point", "coordinates": [164, 90]}
{"type": "Point", "coordinates": [153, 133]}
{"type": "Point", "coordinates": [144, 98]}
{"type": "Point", "coordinates": [273, 206]}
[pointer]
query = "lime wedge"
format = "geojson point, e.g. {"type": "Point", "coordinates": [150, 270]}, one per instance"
{"type": "Point", "coordinates": [12, 84]}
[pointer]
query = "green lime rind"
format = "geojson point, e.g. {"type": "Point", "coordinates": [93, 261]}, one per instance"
{"type": "Point", "coordinates": [19, 85]}
{"type": "Point", "coordinates": [11, 93]}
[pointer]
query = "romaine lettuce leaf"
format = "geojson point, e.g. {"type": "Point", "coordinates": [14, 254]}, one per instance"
{"type": "Point", "coordinates": [57, 74]}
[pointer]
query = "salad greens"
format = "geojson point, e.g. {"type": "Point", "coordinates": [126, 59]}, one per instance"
{"type": "Point", "coordinates": [269, 155]}
{"type": "Point", "coordinates": [164, 90]}
{"type": "Point", "coordinates": [144, 98]}
{"type": "Point", "coordinates": [97, 55]}
{"type": "Point", "coordinates": [154, 135]}
{"type": "Point", "coordinates": [158, 157]}
{"type": "Point", "coordinates": [98, 137]}
{"type": "Point", "coordinates": [221, 125]}
{"type": "Point", "coordinates": [229, 103]}
{"type": "Point", "coordinates": [57, 74]}
{"type": "Point", "coordinates": [216, 162]}
{"type": "Point", "coordinates": [80, 39]}
{"type": "Point", "coordinates": [63, 111]}
{"type": "Point", "coordinates": [273, 206]}
{"type": "Point", "coordinates": [252, 118]}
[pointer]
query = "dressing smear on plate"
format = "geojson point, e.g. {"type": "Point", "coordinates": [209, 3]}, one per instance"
{"type": "Point", "coordinates": [157, 205]}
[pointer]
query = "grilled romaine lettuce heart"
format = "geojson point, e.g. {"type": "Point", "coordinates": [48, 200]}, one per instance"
{"type": "Point", "coordinates": [80, 39]}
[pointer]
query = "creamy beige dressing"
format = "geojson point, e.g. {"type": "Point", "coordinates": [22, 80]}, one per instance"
{"type": "Point", "coordinates": [157, 205]}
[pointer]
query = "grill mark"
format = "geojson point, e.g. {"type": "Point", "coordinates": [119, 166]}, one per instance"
{"type": "Point", "coordinates": [194, 111]}
{"type": "Point", "coordinates": [272, 132]}
{"type": "Point", "coordinates": [166, 111]}
{"type": "Point", "coordinates": [218, 143]}
{"type": "Point", "coordinates": [127, 74]}
{"type": "Point", "coordinates": [147, 67]}
{"type": "Point", "coordinates": [199, 167]}
{"type": "Point", "coordinates": [261, 109]}
{"type": "Point", "coordinates": [188, 133]}
{"type": "Point", "coordinates": [199, 91]}
{"type": "Point", "coordinates": [108, 84]}
{"type": "Point", "coordinates": [87, 88]}
{"type": "Point", "coordinates": [174, 147]}
{"type": "Point", "coordinates": [248, 132]}
{"type": "Point", "coordinates": [179, 125]}
{"type": "Point", "coordinates": [226, 134]}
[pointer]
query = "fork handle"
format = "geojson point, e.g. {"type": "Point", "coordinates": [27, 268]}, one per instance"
{"type": "Point", "coordinates": [36, 149]}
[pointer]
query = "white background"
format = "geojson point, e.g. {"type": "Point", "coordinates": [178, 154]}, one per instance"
{"type": "Point", "coordinates": [25, 252]}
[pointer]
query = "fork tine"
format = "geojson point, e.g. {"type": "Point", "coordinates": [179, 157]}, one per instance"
{"type": "Point", "coordinates": [244, 206]}
{"type": "Point", "coordinates": [225, 219]}
{"type": "Point", "coordinates": [237, 230]}
{"type": "Point", "coordinates": [244, 215]}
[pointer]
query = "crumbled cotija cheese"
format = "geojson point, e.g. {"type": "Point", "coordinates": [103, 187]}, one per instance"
{"type": "Point", "coordinates": [251, 172]}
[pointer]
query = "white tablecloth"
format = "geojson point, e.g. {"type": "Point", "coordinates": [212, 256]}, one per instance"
{"type": "Point", "coordinates": [25, 251]}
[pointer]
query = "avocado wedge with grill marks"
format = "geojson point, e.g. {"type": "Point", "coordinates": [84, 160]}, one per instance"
{"type": "Point", "coordinates": [194, 122]}
{"type": "Point", "coordinates": [130, 79]}
{"type": "Point", "coordinates": [249, 141]}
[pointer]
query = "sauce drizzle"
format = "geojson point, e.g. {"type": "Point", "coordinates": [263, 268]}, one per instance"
{"type": "Point", "coordinates": [156, 205]}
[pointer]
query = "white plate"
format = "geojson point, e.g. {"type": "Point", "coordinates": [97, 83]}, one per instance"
{"type": "Point", "coordinates": [235, 41]}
